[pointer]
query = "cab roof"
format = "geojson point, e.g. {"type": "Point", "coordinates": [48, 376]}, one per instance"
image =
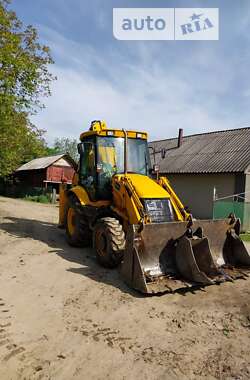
{"type": "Point", "coordinates": [99, 128]}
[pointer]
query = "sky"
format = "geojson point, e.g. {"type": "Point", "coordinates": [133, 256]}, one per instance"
{"type": "Point", "coordinates": [156, 86]}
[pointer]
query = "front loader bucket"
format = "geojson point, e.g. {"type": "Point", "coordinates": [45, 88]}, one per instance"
{"type": "Point", "coordinates": [235, 252]}
{"type": "Point", "coordinates": [197, 264]}
{"type": "Point", "coordinates": [164, 257]}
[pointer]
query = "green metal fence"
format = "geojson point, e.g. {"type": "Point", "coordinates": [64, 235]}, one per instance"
{"type": "Point", "coordinates": [222, 208]}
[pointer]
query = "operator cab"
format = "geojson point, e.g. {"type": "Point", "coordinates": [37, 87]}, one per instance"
{"type": "Point", "coordinates": [104, 153]}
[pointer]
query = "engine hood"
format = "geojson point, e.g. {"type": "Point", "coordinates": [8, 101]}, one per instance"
{"type": "Point", "coordinates": [146, 187]}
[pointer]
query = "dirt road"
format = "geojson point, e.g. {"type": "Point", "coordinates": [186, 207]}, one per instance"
{"type": "Point", "coordinates": [64, 317]}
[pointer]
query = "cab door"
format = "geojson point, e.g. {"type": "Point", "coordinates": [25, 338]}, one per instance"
{"type": "Point", "coordinates": [87, 169]}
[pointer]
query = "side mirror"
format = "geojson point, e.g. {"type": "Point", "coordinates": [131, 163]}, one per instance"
{"type": "Point", "coordinates": [80, 148]}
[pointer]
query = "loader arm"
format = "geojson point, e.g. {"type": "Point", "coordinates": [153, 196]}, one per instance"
{"type": "Point", "coordinates": [127, 203]}
{"type": "Point", "coordinates": [134, 196]}
{"type": "Point", "coordinates": [177, 204]}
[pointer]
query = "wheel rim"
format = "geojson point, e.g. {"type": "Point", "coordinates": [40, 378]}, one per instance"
{"type": "Point", "coordinates": [71, 221]}
{"type": "Point", "coordinates": [101, 244]}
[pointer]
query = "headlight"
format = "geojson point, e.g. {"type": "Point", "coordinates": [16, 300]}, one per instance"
{"type": "Point", "coordinates": [159, 210]}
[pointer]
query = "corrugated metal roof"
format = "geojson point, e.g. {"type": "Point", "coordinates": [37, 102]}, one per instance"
{"type": "Point", "coordinates": [41, 163]}
{"type": "Point", "coordinates": [213, 152]}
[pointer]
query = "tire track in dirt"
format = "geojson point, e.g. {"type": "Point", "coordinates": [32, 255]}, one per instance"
{"type": "Point", "coordinates": [186, 326]}
{"type": "Point", "coordinates": [100, 333]}
{"type": "Point", "coordinates": [8, 348]}
{"type": "Point", "coordinates": [31, 366]}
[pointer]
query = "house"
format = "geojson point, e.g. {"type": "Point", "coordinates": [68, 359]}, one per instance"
{"type": "Point", "coordinates": [46, 171]}
{"type": "Point", "coordinates": [205, 166]}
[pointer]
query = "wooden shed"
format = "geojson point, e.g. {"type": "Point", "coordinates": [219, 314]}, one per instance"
{"type": "Point", "coordinates": [46, 171]}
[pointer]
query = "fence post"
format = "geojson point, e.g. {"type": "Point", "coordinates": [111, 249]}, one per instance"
{"type": "Point", "coordinates": [214, 199]}
{"type": "Point", "coordinates": [53, 198]}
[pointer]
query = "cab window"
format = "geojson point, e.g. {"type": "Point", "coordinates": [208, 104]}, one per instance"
{"type": "Point", "coordinates": [87, 168]}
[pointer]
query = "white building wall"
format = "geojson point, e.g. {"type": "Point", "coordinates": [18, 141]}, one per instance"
{"type": "Point", "coordinates": [196, 190]}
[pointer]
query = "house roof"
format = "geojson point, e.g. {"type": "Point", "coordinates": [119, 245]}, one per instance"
{"type": "Point", "coordinates": [213, 152]}
{"type": "Point", "coordinates": [44, 162]}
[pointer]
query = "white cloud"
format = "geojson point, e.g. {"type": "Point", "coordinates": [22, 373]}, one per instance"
{"type": "Point", "coordinates": [139, 95]}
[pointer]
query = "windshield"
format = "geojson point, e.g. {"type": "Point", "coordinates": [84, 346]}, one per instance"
{"type": "Point", "coordinates": [110, 156]}
{"type": "Point", "coordinates": [138, 157]}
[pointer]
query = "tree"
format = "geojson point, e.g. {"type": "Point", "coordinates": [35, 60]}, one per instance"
{"type": "Point", "coordinates": [67, 145]}
{"type": "Point", "coordinates": [24, 75]}
{"type": "Point", "coordinates": [24, 80]}
{"type": "Point", "coordinates": [51, 151]}
{"type": "Point", "coordinates": [27, 142]}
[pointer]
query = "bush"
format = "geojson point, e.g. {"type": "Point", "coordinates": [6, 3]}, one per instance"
{"type": "Point", "coordinates": [35, 194]}
{"type": "Point", "coordinates": [245, 237]}
{"type": "Point", "coordinates": [37, 198]}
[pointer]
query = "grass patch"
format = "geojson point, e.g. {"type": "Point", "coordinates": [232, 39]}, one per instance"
{"type": "Point", "coordinates": [245, 237]}
{"type": "Point", "coordinates": [37, 198]}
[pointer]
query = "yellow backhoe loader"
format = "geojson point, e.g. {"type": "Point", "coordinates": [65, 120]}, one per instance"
{"type": "Point", "coordinates": [135, 220]}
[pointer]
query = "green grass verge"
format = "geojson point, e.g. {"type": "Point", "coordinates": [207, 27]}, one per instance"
{"type": "Point", "coordinates": [245, 237]}
{"type": "Point", "coordinates": [37, 198]}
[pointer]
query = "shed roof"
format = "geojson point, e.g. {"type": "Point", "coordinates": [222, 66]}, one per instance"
{"type": "Point", "coordinates": [212, 152]}
{"type": "Point", "coordinates": [44, 162]}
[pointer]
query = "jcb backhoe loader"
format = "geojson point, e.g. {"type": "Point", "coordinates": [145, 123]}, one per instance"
{"type": "Point", "coordinates": [135, 220]}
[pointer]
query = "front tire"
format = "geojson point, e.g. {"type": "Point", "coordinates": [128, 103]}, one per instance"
{"type": "Point", "coordinates": [109, 242]}
{"type": "Point", "coordinates": [78, 233]}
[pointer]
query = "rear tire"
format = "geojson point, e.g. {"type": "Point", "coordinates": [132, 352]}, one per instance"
{"type": "Point", "coordinates": [78, 233]}
{"type": "Point", "coordinates": [109, 242]}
